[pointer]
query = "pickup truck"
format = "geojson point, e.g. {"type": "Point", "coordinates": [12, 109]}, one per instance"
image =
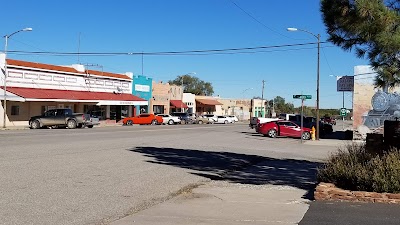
{"type": "Point", "coordinates": [61, 118]}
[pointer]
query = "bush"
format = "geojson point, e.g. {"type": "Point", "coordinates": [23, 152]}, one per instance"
{"type": "Point", "coordinates": [352, 168]}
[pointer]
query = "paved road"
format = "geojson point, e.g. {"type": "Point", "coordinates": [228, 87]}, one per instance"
{"type": "Point", "coordinates": [92, 176]}
{"type": "Point", "coordinates": [345, 213]}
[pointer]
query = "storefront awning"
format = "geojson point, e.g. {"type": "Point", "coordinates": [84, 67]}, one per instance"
{"type": "Point", "coordinates": [53, 95]}
{"type": "Point", "coordinates": [208, 102]}
{"type": "Point", "coordinates": [178, 104]}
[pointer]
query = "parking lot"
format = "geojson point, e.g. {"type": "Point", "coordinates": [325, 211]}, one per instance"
{"type": "Point", "coordinates": [89, 176]}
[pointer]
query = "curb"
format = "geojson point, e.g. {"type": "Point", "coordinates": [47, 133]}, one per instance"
{"type": "Point", "coordinates": [329, 192]}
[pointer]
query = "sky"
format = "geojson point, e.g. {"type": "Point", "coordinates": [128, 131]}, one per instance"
{"type": "Point", "coordinates": [146, 26]}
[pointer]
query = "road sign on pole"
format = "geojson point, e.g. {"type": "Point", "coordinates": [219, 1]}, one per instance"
{"type": "Point", "coordinates": [302, 96]}
{"type": "Point", "coordinates": [343, 112]}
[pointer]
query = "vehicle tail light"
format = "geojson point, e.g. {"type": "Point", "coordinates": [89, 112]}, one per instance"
{"type": "Point", "coordinates": [258, 121]}
{"type": "Point", "coordinates": [83, 117]}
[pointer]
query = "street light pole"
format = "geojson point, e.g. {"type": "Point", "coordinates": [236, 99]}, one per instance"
{"type": "Point", "coordinates": [6, 73]}
{"type": "Point", "coordinates": [318, 36]}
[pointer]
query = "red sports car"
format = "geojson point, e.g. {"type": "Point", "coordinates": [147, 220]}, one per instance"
{"type": "Point", "coordinates": [284, 128]}
{"type": "Point", "coordinates": [143, 119]}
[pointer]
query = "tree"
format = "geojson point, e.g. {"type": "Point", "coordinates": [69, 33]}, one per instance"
{"type": "Point", "coordinates": [371, 27]}
{"type": "Point", "coordinates": [280, 105]}
{"type": "Point", "coordinates": [194, 85]}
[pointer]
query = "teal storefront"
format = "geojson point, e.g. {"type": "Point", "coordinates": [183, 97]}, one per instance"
{"type": "Point", "coordinates": [142, 88]}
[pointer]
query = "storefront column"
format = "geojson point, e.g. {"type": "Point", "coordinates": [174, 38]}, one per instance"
{"type": "Point", "coordinates": [108, 112]}
{"type": "Point", "coordinates": [130, 111]}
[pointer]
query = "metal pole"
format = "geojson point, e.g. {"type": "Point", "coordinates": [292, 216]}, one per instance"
{"type": "Point", "coordinates": [262, 98]}
{"type": "Point", "coordinates": [317, 128]}
{"type": "Point", "coordinates": [301, 123]}
{"type": "Point", "coordinates": [343, 116]}
{"type": "Point", "coordinates": [5, 84]}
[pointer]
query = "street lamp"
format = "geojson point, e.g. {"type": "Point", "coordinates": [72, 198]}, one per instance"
{"type": "Point", "coordinates": [5, 72]}
{"type": "Point", "coordinates": [318, 36]}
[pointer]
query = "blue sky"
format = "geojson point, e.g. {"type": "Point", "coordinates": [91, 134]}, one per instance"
{"type": "Point", "coordinates": [178, 25]}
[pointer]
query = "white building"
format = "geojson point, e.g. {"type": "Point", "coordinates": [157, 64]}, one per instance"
{"type": "Point", "coordinates": [190, 100]}
{"type": "Point", "coordinates": [33, 88]}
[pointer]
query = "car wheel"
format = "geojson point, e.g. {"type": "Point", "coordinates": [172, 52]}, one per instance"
{"type": "Point", "coordinates": [154, 122]}
{"type": "Point", "coordinates": [226, 122]}
{"type": "Point", "coordinates": [170, 122]}
{"type": "Point", "coordinates": [90, 126]}
{"type": "Point", "coordinates": [129, 122]}
{"type": "Point", "coordinates": [306, 136]}
{"type": "Point", "coordinates": [35, 124]}
{"type": "Point", "coordinates": [71, 124]}
{"type": "Point", "coordinates": [272, 133]}
{"type": "Point", "coordinates": [200, 122]}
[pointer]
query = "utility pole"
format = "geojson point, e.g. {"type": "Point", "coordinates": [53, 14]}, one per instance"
{"type": "Point", "coordinates": [262, 97]}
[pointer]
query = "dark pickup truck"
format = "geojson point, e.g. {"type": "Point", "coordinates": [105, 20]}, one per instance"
{"type": "Point", "coordinates": [60, 118]}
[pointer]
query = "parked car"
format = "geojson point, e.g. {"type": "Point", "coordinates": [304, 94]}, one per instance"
{"type": "Point", "coordinates": [170, 120]}
{"type": "Point", "coordinates": [223, 119]}
{"type": "Point", "coordinates": [184, 117]}
{"type": "Point", "coordinates": [143, 119]}
{"type": "Point", "coordinates": [234, 119]}
{"type": "Point", "coordinates": [203, 119]}
{"type": "Point", "coordinates": [60, 118]}
{"type": "Point", "coordinates": [211, 117]}
{"type": "Point", "coordinates": [284, 128]}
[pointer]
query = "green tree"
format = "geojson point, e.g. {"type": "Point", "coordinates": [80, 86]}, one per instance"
{"type": "Point", "coordinates": [371, 28]}
{"type": "Point", "coordinates": [194, 85]}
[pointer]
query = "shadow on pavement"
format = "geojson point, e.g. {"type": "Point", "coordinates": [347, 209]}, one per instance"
{"type": "Point", "coordinates": [238, 168]}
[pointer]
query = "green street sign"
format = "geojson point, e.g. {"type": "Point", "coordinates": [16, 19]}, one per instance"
{"type": "Point", "coordinates": [343, 112]}
{"type": "Point", "coordinates": [302, 97]}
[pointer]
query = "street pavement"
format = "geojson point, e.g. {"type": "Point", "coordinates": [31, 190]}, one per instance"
{"type": "Point", "coordinates": [347, 213]}
{"type": "Point", "coordinates": [106, 175]}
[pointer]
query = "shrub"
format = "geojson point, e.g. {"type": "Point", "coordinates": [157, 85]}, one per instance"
{"type": "Point", "coordinates": [355, 169]}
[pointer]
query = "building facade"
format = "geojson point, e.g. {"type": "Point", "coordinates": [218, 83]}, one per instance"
{"type": "Point", "coordinates": [236, 107]}
{"type": "Point", "coordinates": [142, 87]}
{"type": "Point", "coordinates": [208, 105]}
{"type": "Point", "coordinates": [176, 96]}
{"type": "Point", "coordinates": [190, 100]}
{"type": "Point", "coordinates": [160, 100]}
{"type": "Point", "coordinates": [33, 88]}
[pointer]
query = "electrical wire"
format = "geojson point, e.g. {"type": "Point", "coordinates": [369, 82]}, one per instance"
{"type": "Point", "coordinates": [258, 21]}
{"type": "Point", "coordinates": [188, 52]}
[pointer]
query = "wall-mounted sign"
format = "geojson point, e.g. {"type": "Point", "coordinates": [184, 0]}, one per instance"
{"type": "Point", "coordinates": [142, 88]}
{"type": "Point", "coordinates": [345, 83]}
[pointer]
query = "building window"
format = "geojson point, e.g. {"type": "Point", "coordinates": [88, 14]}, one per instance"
{"type": "Point", "coordinates": [15, 110]}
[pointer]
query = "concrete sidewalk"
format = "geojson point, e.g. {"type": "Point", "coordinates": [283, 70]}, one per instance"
{"type": "Point", "coordinates": [224, 203]}
{"type": "Point", "coordinates": [274, 191]}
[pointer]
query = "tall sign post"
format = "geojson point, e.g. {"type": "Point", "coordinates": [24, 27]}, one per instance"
{"type": "Point", "coordinates": [344, 83]}
{"type": "Point", "coordinates": [303, 98]}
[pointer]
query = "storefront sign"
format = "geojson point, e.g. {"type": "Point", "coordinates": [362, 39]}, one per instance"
{"type": "Point", "coordinates": [142, 88]}
{"type": "Point", "coordinates": [122, 103]}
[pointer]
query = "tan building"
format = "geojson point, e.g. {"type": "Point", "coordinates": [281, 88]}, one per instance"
{"type": "Point", "coordinates": [237, 107]}
{"type": "Point", "coordinates": [160, 102]}
{"type": "Point", "coordinates": [258, 108]}
{"type": "Point", "coordinates": [176, 97]}
{"type": "Point", "coordinates": [208, 105]}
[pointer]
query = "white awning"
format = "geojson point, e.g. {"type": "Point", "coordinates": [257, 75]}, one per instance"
{"type": "Point", "coordinates": [11, 96]}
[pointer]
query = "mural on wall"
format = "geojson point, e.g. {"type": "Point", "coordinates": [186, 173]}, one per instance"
{"type": "Point", "coordinates": [372, 106]}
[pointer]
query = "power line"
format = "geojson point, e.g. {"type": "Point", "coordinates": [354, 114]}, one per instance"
{"type": "Point", "coordinates": [255, 19]}
{"type": "Point", "coordinates": [188, 52]}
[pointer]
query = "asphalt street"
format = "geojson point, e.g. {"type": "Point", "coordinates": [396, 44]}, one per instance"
{"type": "Point", "coordinates": [348, 213]}
{"type": "Point", "coordinates": [99, 175]}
